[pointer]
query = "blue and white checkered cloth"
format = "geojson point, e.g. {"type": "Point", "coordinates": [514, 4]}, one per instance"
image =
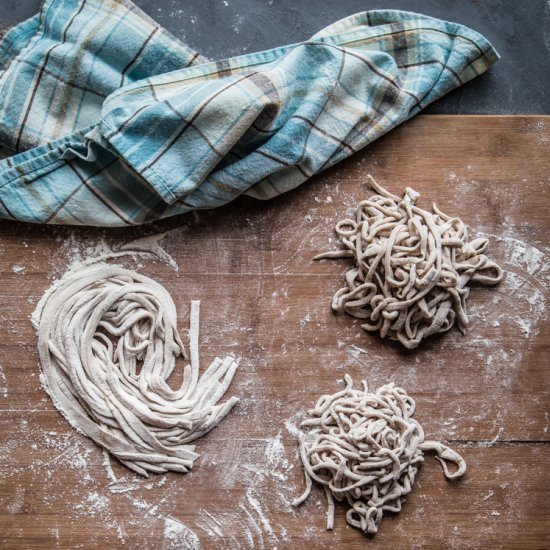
{"type": "Point", "coordinates": [116, 122]}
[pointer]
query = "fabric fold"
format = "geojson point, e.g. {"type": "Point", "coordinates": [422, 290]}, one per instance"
{"type": "Point", "coordinates": [121, 124]}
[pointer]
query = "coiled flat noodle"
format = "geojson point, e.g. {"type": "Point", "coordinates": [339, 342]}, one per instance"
{"type": "Point", "coordinates": [108, 343]}
{"type": "Point", "coordinates": [365, 448]}
{"type": "Point", "coordinates": [412, 267]}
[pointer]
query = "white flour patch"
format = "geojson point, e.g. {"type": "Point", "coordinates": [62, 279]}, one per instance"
{"type": "Point", "coordinates": [543, 128]}
{"type": "Point", "coordinates": [16, 505]}
{"type": "Point", "coordinates": [216, 526]}
{"type": "Point", "coordinates": [275, 452]}
{"type": "Point", "coordinates": [140, 504]}
{"type": "Point", "coordinates": [124, 487]}
{"type": "Point", "coordinates": [3, 383]}
{"type": "Point", "coordinates": [121, 534]}
{"type": "Point", "coordinates": [291, 428]}
{"type": "Point", "coordinates": [238, 24]}
{"type": "Point", "coordinates": [255, 504]}
{"type": "Point", "coordinates": [78, 463]}
{"type": "Point", "coordinates": [93, 505]}
{"type": "Point", "coordinates": [177, 535]}
{"type": "Point", "coordinates": [356, 351]}
{"type": "Point", "coordinates": [217, 529]}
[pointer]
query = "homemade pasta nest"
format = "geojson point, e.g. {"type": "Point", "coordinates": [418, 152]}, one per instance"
{"type": "Point", "coordinates": [108, 344]}
{"type": "Point", "coordinates": [365, 448]}
{"type": "Point", "coordinates": [412, 267]}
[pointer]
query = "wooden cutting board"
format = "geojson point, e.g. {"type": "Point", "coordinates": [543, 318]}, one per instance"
{"type": "Point", "coordinates": [263, 299]}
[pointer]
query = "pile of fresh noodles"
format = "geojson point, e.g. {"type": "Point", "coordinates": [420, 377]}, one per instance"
{"type": "Point", "coordinates": [412, 268]}
{"type": "Point", "coordinates": [365, 448]}
{"type": "Point", "coordinates": [108, 343]}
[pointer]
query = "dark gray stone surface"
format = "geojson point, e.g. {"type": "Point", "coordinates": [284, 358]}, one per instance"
{"type": "Point", "coordinates": [519, 29]}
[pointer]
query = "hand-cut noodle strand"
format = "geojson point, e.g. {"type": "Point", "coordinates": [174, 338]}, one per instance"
{"type": "Point", "coordinates": [366, 448]}
{"type": "Point", "coordinates": [412, 267]}
{"type": "Point", "coordinates": [108, 343]}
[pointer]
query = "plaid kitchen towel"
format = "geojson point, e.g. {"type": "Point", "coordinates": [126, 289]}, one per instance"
{"type": "Point", "coordinates": [116, 122]}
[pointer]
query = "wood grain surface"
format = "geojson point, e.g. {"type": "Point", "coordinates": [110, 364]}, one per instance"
{"type": "Point", "coordinates": [264, 300]}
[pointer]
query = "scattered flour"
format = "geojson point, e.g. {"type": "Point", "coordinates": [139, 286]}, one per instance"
{"type": "Point", "coordinates": [74, 251]}
{"type": "Point", "coordinates": [93, 505]}
{"type": "Point", "coordinates": [151, 245]}
{"type": "Point", "coordinates": [255, 504]}
{"type": "Point", "coordinates": [140, 504]}
{"type": "Point", "coordinates": [3, 383]}
{"type": "Point", "coordinates": [525, 286]}
{"type": "Point", "coordinates": [275, 452]}
{"type": "Point", "coordinates": [291, 428]}
{"type": "Point", "coordinates": [16, 505]}
{"type": "Point", "coordinates": [124, 487]}
{"type": "Point", "coordinates": [177, 535]}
